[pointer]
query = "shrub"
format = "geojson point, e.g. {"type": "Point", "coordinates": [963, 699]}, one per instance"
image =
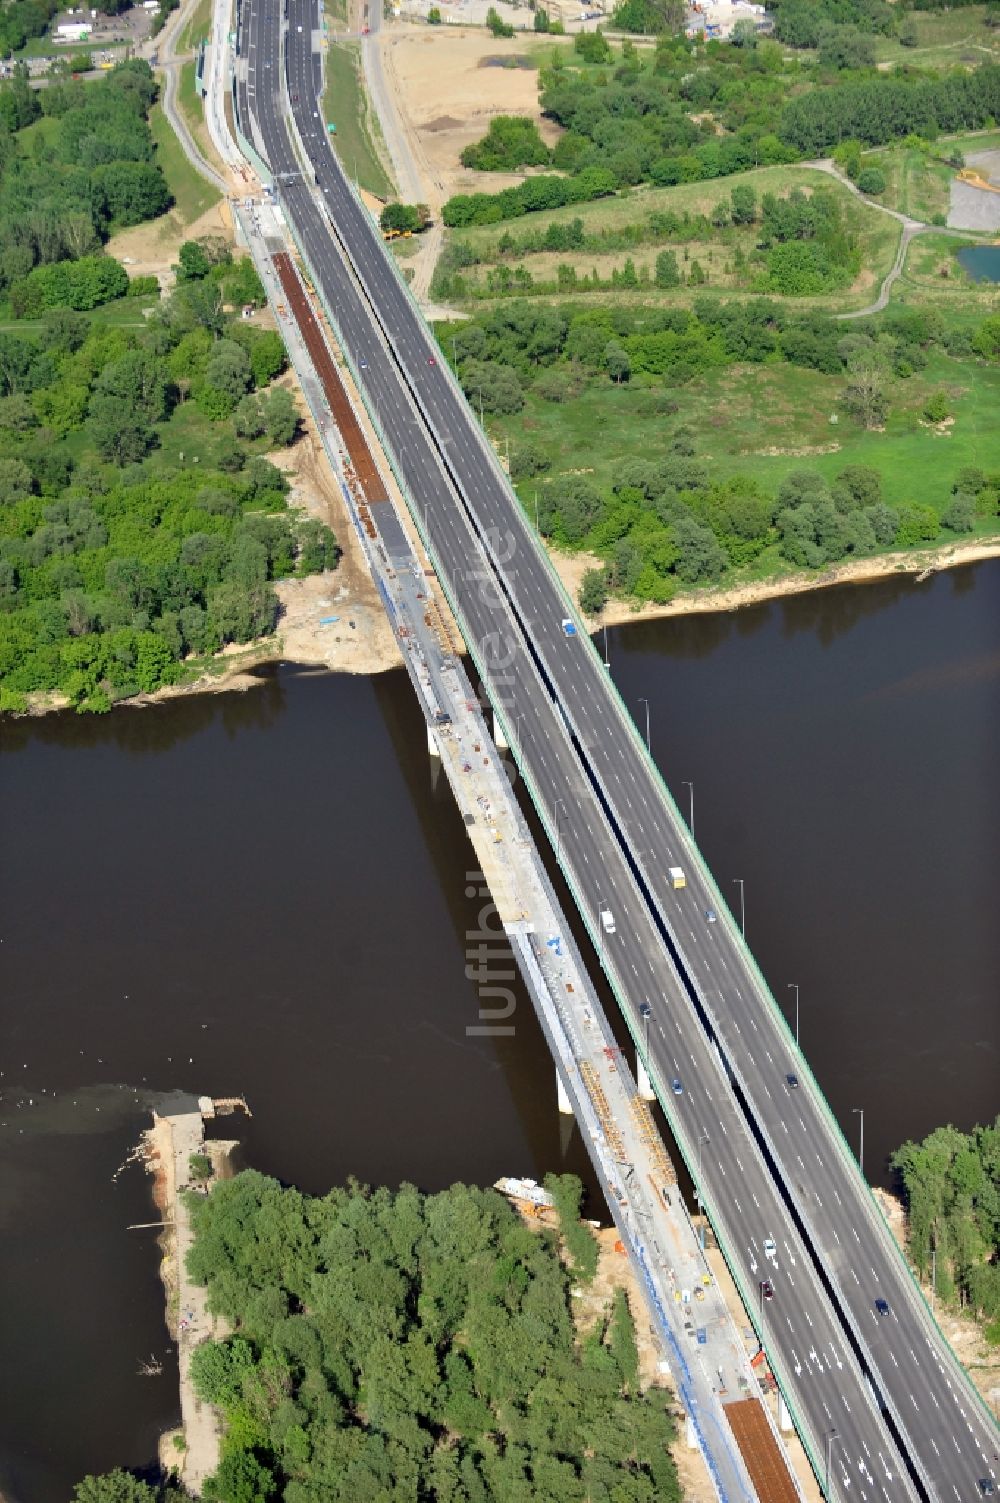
{"type": "Point", "coordinates": [937, 407]}
{"type": "Point", "coordinates": [871, 180]}
{"type": "Point", "coordinates": [593, 592]}
{"type": "Point", "coordinates": [961, 514]}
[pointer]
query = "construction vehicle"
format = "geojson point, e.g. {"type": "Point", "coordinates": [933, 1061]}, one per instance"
{"type": "Point", "coordinates": [976, 180]}
{"type": "Point", "coordinates": [677, 877]}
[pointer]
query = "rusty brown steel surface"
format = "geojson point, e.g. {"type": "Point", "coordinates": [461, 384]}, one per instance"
{"type": "Point", "coordinates": [301, 310]}
{"type": "Point", "coordinates": [759, 1449]}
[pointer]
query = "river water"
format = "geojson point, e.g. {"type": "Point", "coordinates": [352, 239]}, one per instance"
{"type": "Point", "coordinates": [266, 893]}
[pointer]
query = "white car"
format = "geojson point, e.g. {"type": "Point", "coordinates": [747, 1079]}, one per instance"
{"type": "Point", "coordinates": [770, 1248]}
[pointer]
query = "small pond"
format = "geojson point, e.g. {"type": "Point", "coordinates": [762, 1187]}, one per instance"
{"type": "Point", "coordinates": [982, 262]}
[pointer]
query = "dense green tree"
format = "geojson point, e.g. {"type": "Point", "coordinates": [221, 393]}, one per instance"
{"type": "Point", "coordinates": [960, 514]}
{"type": "Point", "coordinates": [114, 1487]}
{"type": "Point", "coordinates": [667, 273]}
{"type": "Point", "coordinates": [280, 416]}
{"type": "Point", "coordinates": [496, 25]}
{"type": "Point", "coordinates": [511, 142]}
{"type": "Point", "coordinates": [192, 262]}
{"type": "Point", "coordinates": [593, 592]}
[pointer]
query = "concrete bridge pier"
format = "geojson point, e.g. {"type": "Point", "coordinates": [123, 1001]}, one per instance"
{"type": "Point", "coordinates": [565, 1105]}
{"type": "Point", "coordinates": [432, 742]}
{"type": "Point", "coordinates": [642, 1080]}
{"type": "Point", "coordinates": [499, 739]}
{"type": "Point", "coordinates": [690, 1436]}
{"type": "Point", "coordinates": [784, 1418]}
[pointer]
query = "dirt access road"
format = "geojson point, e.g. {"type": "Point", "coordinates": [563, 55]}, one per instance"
{"type": "Point", "coordinates": [435, 91]}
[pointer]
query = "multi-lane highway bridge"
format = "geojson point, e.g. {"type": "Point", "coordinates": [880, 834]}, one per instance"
{"type": "Point", "coordinates": [882, 1405]}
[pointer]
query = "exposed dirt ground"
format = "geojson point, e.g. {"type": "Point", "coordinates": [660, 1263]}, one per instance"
{"type": "Point", "coordinates": [367, 646]}
{"type": "Point", "coordinates": [151, 249]}
{"type": "Point", "coordinates": [447, 92]}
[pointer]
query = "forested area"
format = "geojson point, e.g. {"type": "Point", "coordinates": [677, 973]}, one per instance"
{"type": "Point", "coordinates": [401, 1344]}
{"type": "Point", "coordinates": [672, 523]}
{"type": "Point", "coordinates": [951, 1183]}
{"type": "Point", "coordinates": [118, 561]}
{"type": "Point", "coordinates": [688, 113]}
{"type": "Point", "coordinates": [87, 170]}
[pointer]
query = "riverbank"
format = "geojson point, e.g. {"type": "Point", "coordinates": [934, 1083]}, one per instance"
{"type": "Point", "coordinates": [921, 562]}
{"type": "Point", "coordinates": [359, 640]}
{"type": "Point", "coordinates": [176, 1136]}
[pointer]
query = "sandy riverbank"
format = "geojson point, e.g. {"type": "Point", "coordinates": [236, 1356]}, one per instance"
{"type": "Point", "coordinates": [167, 1147]}
{"type": "Point", "coordinates": [370, 646]}
{"type": "Point", "coordinates": [572, 567]}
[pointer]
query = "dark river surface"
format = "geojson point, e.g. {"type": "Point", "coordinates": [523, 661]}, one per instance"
{"type": "Point", "coordinates": [266, 893]}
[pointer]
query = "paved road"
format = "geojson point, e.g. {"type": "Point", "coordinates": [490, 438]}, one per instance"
{"type": "Point", "coordinates": [616, 835]}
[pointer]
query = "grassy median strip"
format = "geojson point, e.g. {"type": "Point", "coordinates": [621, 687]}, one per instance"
{"type": "Point", "coordinates": [346, 105]}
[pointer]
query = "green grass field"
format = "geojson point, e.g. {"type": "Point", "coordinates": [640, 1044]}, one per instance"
{"type": "Point", "coordinates": [125, 312]}
{"type": "Point", "coordinates": [766, 420]}
{"type": "Point", "coordinates": [945, 39]}
{"type": "Point", "coordinates": [198, 27]}
{"type": "Point", "coordinates": [918, 184]}
{"type": "Point", "coordinates": [877, 233]}
{"type": "Point", "coordinates": [345, 103]}
{"type": "Point", "coordinates": [192, 194]}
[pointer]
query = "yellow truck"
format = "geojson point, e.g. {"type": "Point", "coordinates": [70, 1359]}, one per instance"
{"type": "Point", "coordinates": [677, 877]}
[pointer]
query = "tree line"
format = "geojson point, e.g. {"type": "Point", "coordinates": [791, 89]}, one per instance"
{"type": "Point", "coordinates": [92, 173]}
{"type": "Point", "coordinates": [951, 1185]}
{"type": "Point", "coordinates": [799, 245]}
{"type": "Point", "coordinates": [394, 1343]}
{"type": "Point", "coordinates": [663, 120]}
{"type": "Point", "coordinates": [115, 564]}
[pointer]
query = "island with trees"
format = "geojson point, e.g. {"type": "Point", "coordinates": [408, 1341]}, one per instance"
{"type": "Point", "coordinates": [394, 1344]}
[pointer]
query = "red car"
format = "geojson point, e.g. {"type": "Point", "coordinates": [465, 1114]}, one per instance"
{"type": "Point", "coordinates": [431, 360]}
{"type": "Point", "coordinates": [767, 1289]}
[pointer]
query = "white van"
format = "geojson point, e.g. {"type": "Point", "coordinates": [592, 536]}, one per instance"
{"type": "Point", "coordinates": [607, 921]}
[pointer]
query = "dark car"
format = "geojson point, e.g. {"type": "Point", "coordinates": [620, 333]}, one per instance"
{"type": "Point", "coordinates": [882, 1306]}
{"type": "Point", "coordinates": [987, 1487]}
{"type": "Point", "coordinates": [677, 1088]}
{"type": "Point", "coordinates": [767, 1288]}
{"type": "Point", "coordinates": [792, 1081]}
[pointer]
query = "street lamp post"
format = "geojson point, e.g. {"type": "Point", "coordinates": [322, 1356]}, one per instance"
{"type": "Point", "coordinates": [793, 987]}
{"type": "Point", "coordinates": [600, 931]}
{"type": "Point", "coordinates": [829, 1454]}
{"type": "Point", "coordinates": [645, 702]}
{"type": "Point", "coordinates": [607, 660]}
{"type": "Point", "coordinates": [559, 804]}
{"type": "Point", "coordinates": [645, 1012]}
{"type": "Point", "coordinates": [743, 908]}
{"type": "Point", "coordinates": [690, 788]}
{"type": "Point", "coordinates": [703, 1138]}
{"type": "Point", "coordinates": [861, 1145]}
